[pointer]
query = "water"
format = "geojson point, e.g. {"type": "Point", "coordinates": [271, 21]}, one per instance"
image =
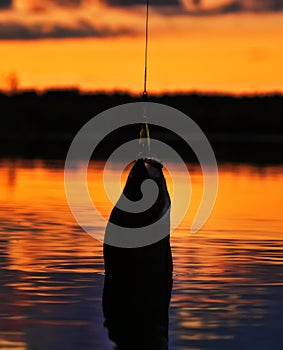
{"type": "Point", "coordinates": [228, 278]}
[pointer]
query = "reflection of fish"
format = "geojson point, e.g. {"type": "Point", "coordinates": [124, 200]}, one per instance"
{"type": "Point", "coordinates": [138, 281]}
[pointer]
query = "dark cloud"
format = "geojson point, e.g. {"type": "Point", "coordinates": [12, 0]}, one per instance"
{"type": "Point", "coordinates": [200, 7]}
{"type": "Point", "coordinates": [83, 29]}
{"type": "Point", "coordinates": [142, 2]}
{"type": "Point", "coordinates": [266, 5]}
{"type": "Point", "coordinates": [5, 4]}
{"type": "Point", "coordinates": [235, 6]}
{"type": "Point", "coordinates": [67, 2]}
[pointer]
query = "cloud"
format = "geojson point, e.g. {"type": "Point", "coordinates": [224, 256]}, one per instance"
{"type": "Point", "coordinates": [205, 7]}
{"type": "Point", "coordinates": [263, 5]}
{"type": "Point", "coordinates": [4, 4]}
{"type": "Point", "coordinates": [82, 29]}
{"type": "Point", "coordinates": [184, 7]}
{"type": "Point", "coordinates": [154, 3]}
{"type": "Point", "coordinates": [42, 19]}
{"type": "Point", "coordinates": [67, 2]}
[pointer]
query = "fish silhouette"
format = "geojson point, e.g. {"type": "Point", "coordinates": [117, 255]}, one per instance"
{"type": "Point", "coordinates": [138, 281]}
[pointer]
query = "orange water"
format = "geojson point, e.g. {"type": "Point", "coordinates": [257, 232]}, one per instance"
{"type": "Point", "coordinates": [228, 283]}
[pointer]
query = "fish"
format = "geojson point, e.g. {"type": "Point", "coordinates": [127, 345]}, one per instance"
{"type": "Point", "coordinates": [138, 281]}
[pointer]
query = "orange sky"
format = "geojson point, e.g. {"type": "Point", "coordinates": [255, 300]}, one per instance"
{"type": "Point", "coordinates": [235, 52]}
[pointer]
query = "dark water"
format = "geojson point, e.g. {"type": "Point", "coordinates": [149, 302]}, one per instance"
{"type": "Point", "coordinates": [228, 278]}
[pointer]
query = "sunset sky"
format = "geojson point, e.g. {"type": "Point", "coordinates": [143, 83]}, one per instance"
{"type": "Point", "coordinates": [202, 45]}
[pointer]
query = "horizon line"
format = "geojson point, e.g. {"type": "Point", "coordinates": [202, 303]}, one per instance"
{"type": "Point", "coordinates": [135, 93]}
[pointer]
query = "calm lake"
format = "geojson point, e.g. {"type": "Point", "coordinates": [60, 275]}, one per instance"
{"type": "Point", "coordinates": [228, 277]}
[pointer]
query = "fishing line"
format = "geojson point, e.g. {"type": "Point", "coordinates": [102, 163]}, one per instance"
{"type": "Point", "coordinates": [145, 52]}
{"type": "Point", "coordinates": [144, 140]}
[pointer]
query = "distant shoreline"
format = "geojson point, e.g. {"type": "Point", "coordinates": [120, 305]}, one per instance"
{"type": "Point", "coordinates": [244, 129]}
{"type": "Point", "coordinates": [138, 94]}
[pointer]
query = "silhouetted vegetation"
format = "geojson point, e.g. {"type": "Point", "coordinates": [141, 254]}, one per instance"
{"type": "Point", "coordinates": [43, 125]}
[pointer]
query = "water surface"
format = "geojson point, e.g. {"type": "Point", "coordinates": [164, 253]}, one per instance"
{"type": "Point", "coordinates": [228, 278]}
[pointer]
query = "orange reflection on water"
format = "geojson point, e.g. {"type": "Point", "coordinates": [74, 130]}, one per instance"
{"type": "Point", "coordinates": [48, 261]}
{"type": "Point", "coordinates": [15, 345]}
{"type": "Point", "coordinates": [248, 207]}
